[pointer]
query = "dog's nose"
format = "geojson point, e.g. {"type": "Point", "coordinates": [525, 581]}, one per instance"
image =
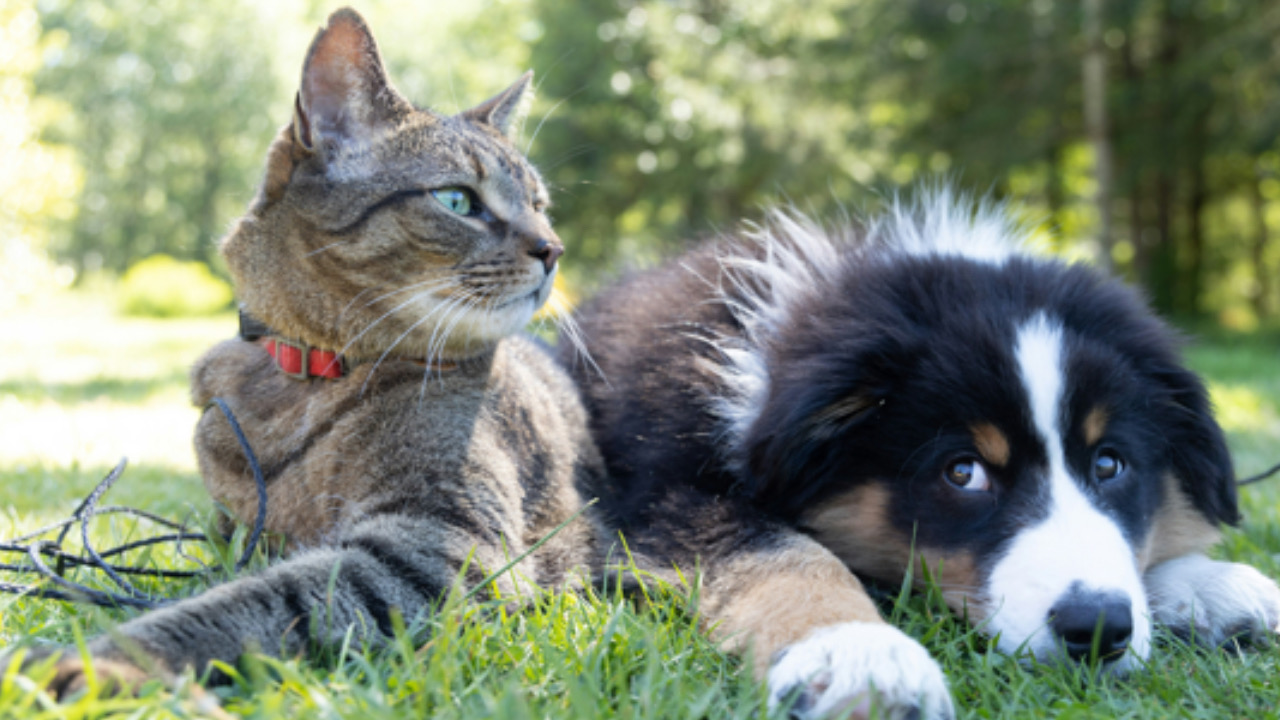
{"type": "Point", "coordinates": [1080, 616]}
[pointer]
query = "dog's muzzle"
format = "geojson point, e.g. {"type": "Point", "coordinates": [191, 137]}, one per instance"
{"type": "Point", "coordinates": [1092, 625]}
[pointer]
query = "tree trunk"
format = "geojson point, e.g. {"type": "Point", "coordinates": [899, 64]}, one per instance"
{"type": "Point", "coordinates": [1047, 93]}
{"type": "Point", "coordinates": [1164, 277]}
{"type": "Point", "coordinates": [1131, 116]}
{"type": "Point", "coordinates": [1258, 253]}
{"type": "Point", "coordinates": [1164, 256]}
{"type": "Point", "coordinates": [1095, 115]}
{"type": "Point", "coordinates": [1199, 197]}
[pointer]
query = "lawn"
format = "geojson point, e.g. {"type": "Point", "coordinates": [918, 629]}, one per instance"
{"type": "Point", "coordinates": [80, 387]}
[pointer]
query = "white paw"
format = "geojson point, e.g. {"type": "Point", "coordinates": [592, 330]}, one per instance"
{"type": "Point", "coordinates": [859, 670]}
{"type": "Point", "coordinates": [1212, 602]}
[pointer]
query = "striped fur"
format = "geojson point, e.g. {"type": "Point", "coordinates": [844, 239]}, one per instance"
{"type": "Point", "coordinates": [386, 483]}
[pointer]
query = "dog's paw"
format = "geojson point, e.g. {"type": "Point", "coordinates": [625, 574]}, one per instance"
{"type": "Point", "coordinates": [859, 670]}
{"type": "Point", "coordinates": [1212, 602]}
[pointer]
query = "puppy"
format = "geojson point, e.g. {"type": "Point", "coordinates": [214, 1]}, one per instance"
{"type": "Point", "coordinates": [796, 408]}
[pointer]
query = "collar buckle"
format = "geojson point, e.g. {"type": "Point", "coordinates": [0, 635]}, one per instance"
{"type": "Point", "coordinates": [304, 353]}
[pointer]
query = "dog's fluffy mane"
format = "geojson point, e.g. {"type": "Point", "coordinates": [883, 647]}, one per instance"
{"type": "Point", "coordinates": [775, 266]}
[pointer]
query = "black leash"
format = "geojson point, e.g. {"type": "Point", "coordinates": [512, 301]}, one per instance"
{"type": "Point", "coordinates": [1260, 476]}
{"type": "Point", "coordinates": [37, 550]}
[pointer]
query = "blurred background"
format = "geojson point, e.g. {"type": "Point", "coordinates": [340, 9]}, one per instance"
{"type": "Point", "coordinates": [1138, 133]}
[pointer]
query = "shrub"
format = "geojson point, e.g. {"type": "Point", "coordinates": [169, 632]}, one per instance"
{"type": "Point", "coordinates": [160, 286]}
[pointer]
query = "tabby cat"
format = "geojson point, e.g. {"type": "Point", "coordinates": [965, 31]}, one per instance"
{"type": "Point", "coordinates": [399, 251]}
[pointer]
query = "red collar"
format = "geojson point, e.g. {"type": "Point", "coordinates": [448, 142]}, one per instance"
{"type": "Point", "coordinates": [302, 361]}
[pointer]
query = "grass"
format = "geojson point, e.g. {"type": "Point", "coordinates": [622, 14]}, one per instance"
{"type": "Point", "coordinates": [80, 387]}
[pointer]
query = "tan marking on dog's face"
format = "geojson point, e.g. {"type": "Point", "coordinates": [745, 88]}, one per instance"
{"type": "Point", "coordinates": [768, 601]}
{"type": "Point", "coordinates": [956, 574]}
{"type": "Point", "coordinates": [991, 444]}
{"type": "Point", "coordinates": [1095, 425]}
{"type": "Point", "coordinates": [855, 527]}
{"type": "Point", "coordinates": [1178, 529]}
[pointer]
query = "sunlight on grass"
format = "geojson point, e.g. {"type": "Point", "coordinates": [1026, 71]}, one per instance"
{"type": "Point", "coordinates": [1240, 408]}
{"type": "Point", "coordinates": [97, 433]}
{"type": "Point", "coordinates": [80, 388]}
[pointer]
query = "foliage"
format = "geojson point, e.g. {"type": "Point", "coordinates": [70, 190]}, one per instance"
{"type": "Point", "coordinates": [680, 118]}
{"type": "Point", "coordinates": [170, 124]}
{"type": "Point", "coordinates": [659, 120]}
{"type": "Point", "coordinates": [161, 286]}
{"type": "Point", "coordinates": [692, 113]}
{"type": "Point", "coordinates": [37, 181]}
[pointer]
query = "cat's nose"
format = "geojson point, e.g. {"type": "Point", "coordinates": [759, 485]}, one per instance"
{"type": "Point", "coordinates": [547, 251]}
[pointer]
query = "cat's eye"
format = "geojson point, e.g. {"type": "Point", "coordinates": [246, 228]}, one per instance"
{"type": "Point", "coordinates": [457, 200]}
{"type": "Point", "coordinates": [967, 474]}
{"type": "Point", "coordinates": [1107, 465]}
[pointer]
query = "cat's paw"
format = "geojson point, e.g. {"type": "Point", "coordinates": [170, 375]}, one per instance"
{"type": "Point", "coordinates": [1212, 602]}
{"type": "Point", "coordinates": [71, 673]}
{"type": "Point", "coordinates": [859, 670]}
{"type": "Point", "coordinates": [71, 676]}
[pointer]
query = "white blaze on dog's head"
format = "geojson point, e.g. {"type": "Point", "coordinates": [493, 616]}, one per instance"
{"type": "Point", "coordinates": [1075, 557]}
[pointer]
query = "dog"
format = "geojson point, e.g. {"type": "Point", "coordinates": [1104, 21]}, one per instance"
{"type": "Point", "coordinates": [797, 409]}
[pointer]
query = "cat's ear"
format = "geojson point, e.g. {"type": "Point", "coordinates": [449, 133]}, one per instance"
{"type": "Point", "coordinates": [345, 95]}
{"type": "Point", "coordinates": [502, 110]}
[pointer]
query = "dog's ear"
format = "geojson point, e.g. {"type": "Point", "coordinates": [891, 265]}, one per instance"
{"type": "Point", "coordinates": [1197, 446]}
{"type": "Point", "coordinates": [813, 405]}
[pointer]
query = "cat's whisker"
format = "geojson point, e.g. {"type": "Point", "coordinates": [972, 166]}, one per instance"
{"type": "Point", "coordinates": [562, 313]}
{"type": "Point", "coordinates": [342, 313]}
{"type": "Point", "coordinates": [436, 347]}
{"type": "Point", "coordinates": [571, 154]}
{"type": "Point", "coordinates": [486, 312]}
{"type": "Point", "coordinates": [472, 299]}
{"type": "Point", "coordinates": [453, 303]}
{"type": "Point", "coordinates": [431, 283]}
{"type": "Point", "coordinates": [541, 326]}
{"type": "Point", "coordinates": [384, 316]}
{"type": "Point", "coordinates": [418, 323]}
{"type": "Point", "coordinates": [545, 75]}
{"type": "Point", "coordinates": [427, 286]}
{"type": "Point", "coordinates": [543, 121]}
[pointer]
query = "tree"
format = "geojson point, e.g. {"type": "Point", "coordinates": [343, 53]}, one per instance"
{"type": "Point", "coordinates": [681, 119]}
{"type": "Point", "coordinates": [37, 182]}
{"type": "Point", "coordinates": [168, 122]}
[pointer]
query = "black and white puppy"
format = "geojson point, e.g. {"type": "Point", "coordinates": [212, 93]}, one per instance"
{"type": "Point", "coordinates": [797, 408]}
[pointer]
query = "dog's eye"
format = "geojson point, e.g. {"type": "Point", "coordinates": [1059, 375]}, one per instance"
{"type": "Point", "coordinates": [969, 475]}
{"type": "Point", "coordinates": [1107, 466]}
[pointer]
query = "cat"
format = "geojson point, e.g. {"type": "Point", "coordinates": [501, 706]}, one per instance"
{"type": "Point", "coordinates": [398, 253]}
